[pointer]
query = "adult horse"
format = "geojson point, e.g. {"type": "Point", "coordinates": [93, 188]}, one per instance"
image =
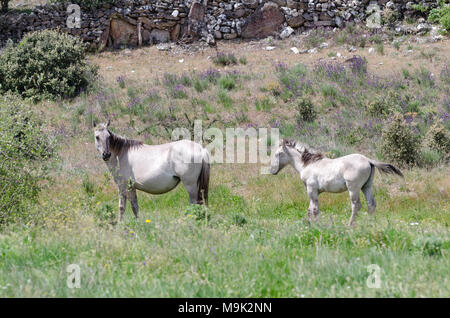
{"type": "Point", "coordinates": [154, 169]}
{"type": "Point", "coordinates": [353, 173]}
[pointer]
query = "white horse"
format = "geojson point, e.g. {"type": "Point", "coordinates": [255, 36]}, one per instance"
{"type": "Point", "coordinates": [353, 173]}
{"type": "Point", "coordinates": [153, 169]}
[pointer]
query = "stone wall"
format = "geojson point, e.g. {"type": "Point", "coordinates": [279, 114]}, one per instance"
{"type": "Point", "coordinates": [141, 22]}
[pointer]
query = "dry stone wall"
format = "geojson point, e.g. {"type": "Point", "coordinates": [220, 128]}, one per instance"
{"type": "Point", "coordinates": [141, 22]}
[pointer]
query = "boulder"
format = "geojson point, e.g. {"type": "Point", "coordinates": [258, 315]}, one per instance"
{"type": "Point", "coordinates": [122, 33]}
{"type": "Point", "coordinates": [296, 21]}
{"type": "Point", "coordinates": [159, 36]}
{"type": "Point", "coordinates": [265, 21]}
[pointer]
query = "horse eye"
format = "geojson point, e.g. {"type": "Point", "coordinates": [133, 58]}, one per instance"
{"type": "Point", "coordinates": [97, 138]}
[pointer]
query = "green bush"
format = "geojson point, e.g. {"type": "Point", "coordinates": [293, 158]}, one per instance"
{"type": "Point", "coordinates": [86, 4]}
{"type": "Point", "coordinates": [25, 153]}
{"type": "Point", "coordinates": [380, 108]}
{"type": "Point", "coordinates": [441, 15]}
{"type": "Point", "coordinates": [438, 138]}
{"type": "Point", "coordinates": [46, 64]}
{"type": "Point", "coordinates": [306, 110]}
{"type": "Point", "coordinates": [399, 143]}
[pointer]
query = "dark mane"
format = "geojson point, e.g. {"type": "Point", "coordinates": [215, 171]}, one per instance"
{"type": "Point", "coordinates": [118, 143]}
{"type": "Point", "coordinates": [307, 155]}
{"type": "Point", "coordinates": [310, 157]}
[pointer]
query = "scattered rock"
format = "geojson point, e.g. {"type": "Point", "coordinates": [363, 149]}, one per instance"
{"type": "Point", "coordinates": [163, 47]}
{"type": "Point", "coordinates": [295, 50]}
{"type": "Point", "coordinates": [286, 32]}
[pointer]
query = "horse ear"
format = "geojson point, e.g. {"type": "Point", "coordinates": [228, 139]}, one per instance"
{"type": "Point", "coordinates": [108, 123]}
{"type": "Point", "coordinates": [94, 123]}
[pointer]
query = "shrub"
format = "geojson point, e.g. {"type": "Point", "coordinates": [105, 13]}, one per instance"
{"type": "Point", "coordinates": [224, 59]}
{"type": "Point", "coordinates": [358, 65]}
{"type": "Point", "coordinates": [45, 64]}
{"type": "Point", "coordinates": [227, 82]}
{"type": "Point", "coordinates": [441, 15]}
{"type": "Point", "coordinates": [438, 138]}
{"type": "Point", "coordinates": [25, 153]}
{"type": "Point", "coordinates": [224, 99]}
{"type": "Point", "coordinates": [430, 158]}
{"type": "Point", "coordinates": [380, 108]}
{"type": "Point", "coordinates": [243, 60]}
{"type": "Point", "coordinates": [399, 143]}
{"type": "Point", "coordinates": [264, 104]}
{"type": "Point", "coordinates": [178, 92]}
{"type": "Point", "coordinates": [380, 48]}
{"type": "Point", "coordinates": [306, 110]}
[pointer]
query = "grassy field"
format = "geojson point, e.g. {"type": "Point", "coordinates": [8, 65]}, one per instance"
{"type": "Point", "coordinates": [254, 240]}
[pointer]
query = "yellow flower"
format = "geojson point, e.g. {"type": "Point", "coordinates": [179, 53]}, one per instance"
{"type": "Point", "coordinates": [147, 221]}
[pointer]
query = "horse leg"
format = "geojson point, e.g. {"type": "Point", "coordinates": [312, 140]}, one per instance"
{"type": "Point", "coordinates": [313, 203]}
{"type": "Point", "coordinates": [371, 204]}
{"type": "Point", "coordinates": [356, 205]}
{"type": "Point", "coordinates": [134, 202]}
{"type": "Point", "coordinates": [122, 204]}
{"type": "Point", "coordinates": [192, 190]}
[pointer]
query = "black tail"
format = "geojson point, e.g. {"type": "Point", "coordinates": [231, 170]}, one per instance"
{"type": "Point", "coordinates": [203, 183]}
{"type": "Point", "coordinates": [387, 168]}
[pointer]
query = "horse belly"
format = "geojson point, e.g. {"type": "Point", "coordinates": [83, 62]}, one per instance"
{"type": "Point", "coordinates": [333, 185]}
{"type": "Point", "coordinates": [157, 185]}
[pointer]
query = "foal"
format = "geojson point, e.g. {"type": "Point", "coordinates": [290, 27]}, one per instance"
{"type": "Point", "coordinates": [353, 173]}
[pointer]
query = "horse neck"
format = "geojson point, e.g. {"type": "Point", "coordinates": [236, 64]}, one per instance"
{"type": "Point", "coordinates": [297, 162]}
{"type": "Point", "coordinates": [113, 163]}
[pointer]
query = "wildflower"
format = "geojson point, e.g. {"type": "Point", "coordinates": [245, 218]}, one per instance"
{"type": "Point", "coordinates": [147, 221]}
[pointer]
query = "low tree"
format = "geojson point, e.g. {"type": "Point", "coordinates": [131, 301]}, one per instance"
{"type": "Point", "coordinates": [25, 153]}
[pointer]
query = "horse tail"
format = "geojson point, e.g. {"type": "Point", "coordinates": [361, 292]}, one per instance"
{"type": "Point", "coordinates": [203, 179]}
{"type": "Point", "coordinates": [386, 168]}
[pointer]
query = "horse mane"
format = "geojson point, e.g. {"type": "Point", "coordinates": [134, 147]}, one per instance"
{"type": "Point", "coordinates": [308, 156]}
{"type": "Point", "coordinates": [118, 143]}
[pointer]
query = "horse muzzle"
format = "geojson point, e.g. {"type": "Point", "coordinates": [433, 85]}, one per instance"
{"type": "Point", "coordinates": [106, 156]}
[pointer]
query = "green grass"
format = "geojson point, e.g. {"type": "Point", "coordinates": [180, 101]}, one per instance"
{"type": "Point", "coordinates": [273, 253]}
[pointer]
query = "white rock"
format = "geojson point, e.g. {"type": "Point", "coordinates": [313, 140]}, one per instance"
{"type": "Point", "coordinates": [181, 60]}
{"type": "Point", "coordinates": [286, 32]}
{"type": "Point", "coordinates": [323, 45]}
{"type": "Point", "coordinates": [312, 51]}
{"type": "Point", "coordinates": [175, 13]}
{"type": "Point", "coordinates": [371, 50]}
{"type": "Point", "coordinates": [270, 48]}
{"type": "Point", "coordinates": [163, 47]}
{"type": "Point", "coordinates": [295, 50]}
{"type": "Point", "coordinates": [338, 54]}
